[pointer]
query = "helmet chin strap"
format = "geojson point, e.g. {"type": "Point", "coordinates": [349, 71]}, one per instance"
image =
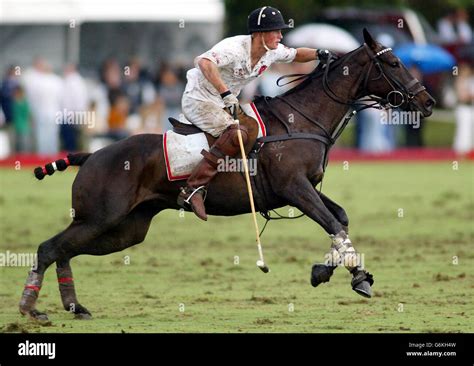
{"type": "Point", "coordinates": [263, 43]}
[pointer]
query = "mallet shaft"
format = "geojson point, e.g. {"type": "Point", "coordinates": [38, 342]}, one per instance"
{"type": "Point", "coordinates": [249, 189]}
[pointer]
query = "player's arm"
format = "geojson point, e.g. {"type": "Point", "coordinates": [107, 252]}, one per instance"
{"type": "Point", "coordinates": [211, 73]}
{"type": "Point", "coordinates": [304, 54]}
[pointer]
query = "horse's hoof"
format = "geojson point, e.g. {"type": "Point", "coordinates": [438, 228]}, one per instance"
{"type": "Point", "coordinates": [320, 273]}
{"type": "Point", "coordinates": [363, 289]}
{"type": "Point", "coordinates": [82, 313]}
{"type": "Point", "coordinates": [39, 316]}
{"type": "Point", "coordinates": [362, 282]}
{"type": "Point", "coordinates": [83, 316]}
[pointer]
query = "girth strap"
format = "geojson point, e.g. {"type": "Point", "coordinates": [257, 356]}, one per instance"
{"type": "Point", "coordinates": [296, 135]}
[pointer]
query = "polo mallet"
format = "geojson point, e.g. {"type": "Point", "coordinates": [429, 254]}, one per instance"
{"type": "Point", "coordinates": [260, 263]}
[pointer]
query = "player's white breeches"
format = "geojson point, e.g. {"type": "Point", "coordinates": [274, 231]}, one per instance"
{"type": "Point", "coordinates": [207, 116]}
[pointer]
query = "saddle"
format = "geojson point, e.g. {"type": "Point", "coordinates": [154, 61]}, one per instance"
{"type": "Point", "coordinates": [184, 128]}
{"type": "Point", "coordinates": [245, 120]}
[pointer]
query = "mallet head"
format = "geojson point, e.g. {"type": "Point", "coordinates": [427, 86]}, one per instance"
{"type": "Point", "coordinates": [263, 266]}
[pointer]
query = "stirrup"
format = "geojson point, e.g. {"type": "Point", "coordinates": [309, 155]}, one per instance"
{"type": "Point", "coordinates": [185, 191]}
{"type": "Point", "coordinates": [196, 190]}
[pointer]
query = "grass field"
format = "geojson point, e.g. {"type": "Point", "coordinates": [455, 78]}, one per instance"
{"type": "Point", "coordinates": [186, 276]}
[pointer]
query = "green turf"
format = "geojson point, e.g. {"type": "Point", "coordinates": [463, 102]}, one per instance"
{"type": "Point", "coordinates": [183, 277]}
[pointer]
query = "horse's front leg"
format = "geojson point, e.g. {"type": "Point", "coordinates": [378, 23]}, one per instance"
{"type": "Point", "coordinates": [338, 212]}
{"type": "Point", "coordinates": [304, 196]}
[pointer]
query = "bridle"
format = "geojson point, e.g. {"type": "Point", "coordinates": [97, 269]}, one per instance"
{"type": "Point", "coordinates": [398, 96]}
{"type": "Point", "coordinates": [405, 94]}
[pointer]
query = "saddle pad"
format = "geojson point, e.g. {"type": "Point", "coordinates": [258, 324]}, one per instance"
{"type": "Point", "coordinates": [183, 153]}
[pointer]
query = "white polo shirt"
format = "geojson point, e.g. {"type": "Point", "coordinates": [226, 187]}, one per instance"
{"type": "Point", "coordinates": [232, 57]}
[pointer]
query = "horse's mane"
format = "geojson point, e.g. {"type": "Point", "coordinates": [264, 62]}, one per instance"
{"type": "Point", "coordinates": [319, 71]}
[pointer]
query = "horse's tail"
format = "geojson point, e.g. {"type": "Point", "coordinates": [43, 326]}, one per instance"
{"type": "Point", "coordinates": [61, 164]}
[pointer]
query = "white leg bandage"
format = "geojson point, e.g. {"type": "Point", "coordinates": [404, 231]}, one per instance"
{"type": "Point", "coordinates": [342, 251]}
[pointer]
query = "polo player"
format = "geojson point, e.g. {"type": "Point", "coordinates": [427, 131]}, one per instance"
{"type": "Point", "coordinates": [215, 83]}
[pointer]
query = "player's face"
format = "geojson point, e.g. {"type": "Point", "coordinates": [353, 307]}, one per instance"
{"type": "Point", "coordinates": [272, 38]}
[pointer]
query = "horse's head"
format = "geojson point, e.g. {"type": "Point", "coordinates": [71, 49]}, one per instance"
{"type": "Point", "coordinates": [389, 79]}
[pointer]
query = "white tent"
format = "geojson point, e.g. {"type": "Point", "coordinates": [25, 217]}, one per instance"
{"type": "Point", "coordinates": [64, 11]}
{"type": "Point", "coordinates": [321, 35]}
{"type": "Point", "coordinates": [55, 27]}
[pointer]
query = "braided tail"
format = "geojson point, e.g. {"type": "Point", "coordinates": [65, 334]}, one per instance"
{"type": "Point", "coordinates": [61, 164]}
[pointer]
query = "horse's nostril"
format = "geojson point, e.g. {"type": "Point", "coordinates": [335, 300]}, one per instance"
{"type": "Point", "coordinates": [429, 102]}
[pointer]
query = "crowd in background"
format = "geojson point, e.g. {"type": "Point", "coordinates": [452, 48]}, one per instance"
{"type": "Point", "coordinates": [454, 28]}
{"type": "Point", "coordinates": [46, 113]}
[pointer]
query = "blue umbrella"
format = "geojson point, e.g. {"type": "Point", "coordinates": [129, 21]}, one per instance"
{"type": "Point", "coordinates": [429, 58]}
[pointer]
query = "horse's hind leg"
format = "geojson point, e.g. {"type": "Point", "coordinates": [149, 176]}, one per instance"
{"type": "Point", "coordinates": [130, 231]}
{"type": "Point", "coordinates": [49, 252]}
{"type": "Point", "coordinates": [67, 290]}
{"type": "Point", "coordinates": [81, 238]}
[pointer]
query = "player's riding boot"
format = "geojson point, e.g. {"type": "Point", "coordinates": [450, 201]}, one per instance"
{"type": "Point", "coordinates": [195, 191]}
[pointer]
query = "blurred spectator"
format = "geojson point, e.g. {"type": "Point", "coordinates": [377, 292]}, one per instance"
{"type": "Point", "coordinates": [9, 83]}
{"type": "Point", "coordinates": [5, 149]}
{"type": "Point", "coordinates": [98, 105]}
{"type": "Point", "coordinates": [74, 102]}
{"type": "Point", "coordinates": [464, 84]}
{"type": "Point", "coordinates": [43, 91]}
{"type": "Point", "coordinates": [152, 116]}
{"type": "Point", "coordinates": [111, 78]}
{"type": "Point", "coordinates": [170, 91]}
{"type": "Point", "coordinates": [454, 27]}
{"type": "Point", "coordinates": [372, 134]}
{"type": "Point", "coordinates": [119, 109]}
{"type": "Point", "coordinates": [21, 121]}
{"type": "Point", "coordinates": [139, 89]}
{"type": "Point", "coordinates": [110, 75]}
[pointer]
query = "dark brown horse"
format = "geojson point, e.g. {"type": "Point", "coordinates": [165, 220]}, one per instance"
{"type": "Point", "coordinates": [120, 188]}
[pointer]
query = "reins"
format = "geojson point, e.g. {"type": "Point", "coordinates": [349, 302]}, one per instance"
{"type": "Point", "coordinates": [406, 94]}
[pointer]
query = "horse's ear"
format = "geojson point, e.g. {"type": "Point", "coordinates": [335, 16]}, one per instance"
{"type": "Point", "coordinates": [369, 40]}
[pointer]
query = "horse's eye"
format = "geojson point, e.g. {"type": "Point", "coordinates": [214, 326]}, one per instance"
{"type": "Point", "coordinates": [395, 64]}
